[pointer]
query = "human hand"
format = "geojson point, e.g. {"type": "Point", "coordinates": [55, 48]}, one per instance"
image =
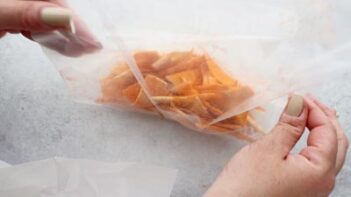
{"type": "Point", "coordinates": [267, 168]}
{"type": "Point", "coordinates": [36, 17]}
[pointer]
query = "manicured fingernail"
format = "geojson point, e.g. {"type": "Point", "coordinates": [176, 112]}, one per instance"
{"type": "Point", "coordinates": [57, 17]}
{"type": "Point", "coordinates": [295, 106]}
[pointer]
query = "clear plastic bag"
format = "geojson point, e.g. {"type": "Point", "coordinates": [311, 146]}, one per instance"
{"type": "Point", "coordinates": [208, 65]}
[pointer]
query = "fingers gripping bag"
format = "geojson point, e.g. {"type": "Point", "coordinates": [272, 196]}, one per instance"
{"type": "Point", "coordinates": [208, 65]}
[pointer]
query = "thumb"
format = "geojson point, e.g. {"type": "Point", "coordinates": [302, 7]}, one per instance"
{"type": "Point", "coordinates": [291, 125]}
{"type": "Point", "coordinates": [35, 16]}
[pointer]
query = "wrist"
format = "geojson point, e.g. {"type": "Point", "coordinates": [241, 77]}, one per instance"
{"type": "Point", "coordinates": [228, 187]}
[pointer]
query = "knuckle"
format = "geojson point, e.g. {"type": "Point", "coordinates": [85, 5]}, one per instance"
{"type": "Point", "coordinates": [27, 16]}
{"type": "Point", "coordinates": [286, 127]}
{"type": "Point", "coordinates": [23, 16]}
{"type": "Point", "coordinates": [293, 121]}
{"type": "Point", "coordinates": [343, 141]}
{"type": "Point", "coordinates": [332, 112]}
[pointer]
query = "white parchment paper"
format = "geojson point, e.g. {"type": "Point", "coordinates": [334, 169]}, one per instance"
{"type": "Point", "coordinates": [59, 177]}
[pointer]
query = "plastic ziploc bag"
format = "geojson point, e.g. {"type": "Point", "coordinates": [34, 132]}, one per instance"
{"type": "Point", "coordinates": [60, 177]}
{"type": "Point", "coordinates": [207, 65]}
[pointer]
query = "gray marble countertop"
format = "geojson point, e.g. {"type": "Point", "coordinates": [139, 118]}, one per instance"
{"type": "Point", "coordinates": [40, 120]}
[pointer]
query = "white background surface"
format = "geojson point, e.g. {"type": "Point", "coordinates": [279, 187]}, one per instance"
{"type": "Point", "coordinates": [39, 120]}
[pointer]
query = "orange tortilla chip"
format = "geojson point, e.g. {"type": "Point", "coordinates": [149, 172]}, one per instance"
{"type": "Point", "coordinates": [239, 94]}
{"type": "Point", "coordinates": [192, 76]}
{"type": "Point", "coordinates": [179, 56]}
{"type": "Point", "coordinates": [161, 63]}
{"type": "Point", "coordinates": [231, 97]}
{"type": "Point", "coordinates": [180, 101]}
{"type": "Point", "coordinates": [220, 101]}
{"type": "Point", "coordinates": [145, 59]}
{"type": "Point", "coordinates": [240, 119]}
{"type": "Point", "coordinates": [213, 110]}
{"type": "Point", "coordinates": [188, 63]}
{"type": "Point", "coordinates": [183, 89]}
{"type": "Point", "coordinates": [112, 87]}
{"type": "Point", "coordinates": [175, 78]}
{"type": "Point", "coordinates": [209, 80]}
{"type": "Point", "coordinates": [169, 60]}
{"type": "Point", "coordinates": [123, 80]}
{"type": "Point", "coordinates": [217, 129]}
{"type": "Point", "coordinates": [142, 101]}
{"type": "Point", "coordinates": [195, 61]}
{"type": "Point", "coordinates": [198, 108]}
{"type": "Point", "coordinates": [156, 86]}
{"type": "Point", "coordinates": [230, 127]}
{"type": "Point", "coordinates": [211, 88]}
{"type": "Point", "coordinates": [254, 124]}
{"type": "Point", "coordinates": [131, 92]}
{"type": "Point", "coordinates": [180, 116]}
{"type": "Point", "coordinates": [119, 69]}
{"type": "Point", "coordinates": [218, 73]}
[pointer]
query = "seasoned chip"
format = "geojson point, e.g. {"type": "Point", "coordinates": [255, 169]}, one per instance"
{"type": "Point", "coordinates": [119, 69]}
{"type": "Point", "coordinates": [187, 63]}
{"type": "Point", "coordinates": [169, 60]}
{"type": "Point", "coordinates": [229, 127]}
{"type": "Point", "coordinates": [156, 86]}
{"type": "Point", "coordinates": [212, 109]}
{"type": "Point", "coordinates": [218, 73]}
{"type": "Point", "coordinates": [198, 108]}
{"type": "Point", "coordinates": [179, 56]}
{"type": "Point", "coordinates": [161, 63]}
{"type": "Point", "coordinates": [123, 79]}
{"type": "Point", "coordinates": [112, 87]}
{"type": "Point", "coordinates": [240, 119]}
{"type": "Point", "coordinates": [221, 100]}
{"type": "Point", "coordinates": [212, 88]}
{"type": "Point", "coordinates": [181, 101]}
{"type": "Point", "coordinates": [254, 124]}
{"type": "Point", "coordinates": [183, 89]}
{"type": "Point", "coordinates": [225, 100]}
{"type": "Point", "coordinates": [143, 101]}
{"type": "Point", "coordinates": [131, 92]}
{"type": "Point", "coordinates": [192, 76]}
{"type": "Point", "coordinates": [145, 59]}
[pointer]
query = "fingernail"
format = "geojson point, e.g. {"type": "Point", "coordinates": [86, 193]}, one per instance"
{"type": "Point", "coordinates": [295, 106]}
{"type": "Point", "coordinates": [57, 17]}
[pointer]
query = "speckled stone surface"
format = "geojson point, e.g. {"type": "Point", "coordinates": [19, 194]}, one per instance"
{"type": "Point", "coordinates": [39, 120]}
